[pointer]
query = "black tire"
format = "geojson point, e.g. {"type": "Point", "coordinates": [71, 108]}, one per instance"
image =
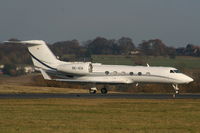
{"type": "Point", "coordinates": [104, 91]}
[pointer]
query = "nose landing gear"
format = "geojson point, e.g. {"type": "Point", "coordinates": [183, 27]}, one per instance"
{"type": "Point", "coordinates": [176, 89]}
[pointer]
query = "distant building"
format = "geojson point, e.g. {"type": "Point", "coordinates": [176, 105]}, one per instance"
{"type": "Point", "coordinates": [29, 69]}
{"type": "Point", "coordinates": [1, 66]}
{"type": "Point", "coordinates": [134, 52]}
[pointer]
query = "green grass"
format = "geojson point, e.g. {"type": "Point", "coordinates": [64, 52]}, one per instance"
{"type": "Point", "coordinates": [99, 116]}
{"type": "Point", "coordinates": [179, 61]}
{"type": "Point", "coordinates": [112, 59]}
{"type": "Point", "coordinates": [187, 62]}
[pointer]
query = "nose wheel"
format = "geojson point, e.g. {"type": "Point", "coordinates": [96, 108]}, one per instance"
{"type": "Point", "coordinates": [176, 89]}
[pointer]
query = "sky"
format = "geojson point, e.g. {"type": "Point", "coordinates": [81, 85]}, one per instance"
{"type": "Point", "coordinates": [176, 22]}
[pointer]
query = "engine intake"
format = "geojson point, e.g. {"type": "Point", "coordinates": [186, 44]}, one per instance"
{"type": "Point", "coordinates": [76, 68]}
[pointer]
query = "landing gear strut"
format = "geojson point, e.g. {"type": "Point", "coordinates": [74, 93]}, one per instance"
{"type": "Point", "coordinates": [176, 89]}
{"type": "Point", "coordinates": [104, 90]}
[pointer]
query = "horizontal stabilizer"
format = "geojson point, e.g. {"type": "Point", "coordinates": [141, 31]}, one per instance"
{"type": "Point", "coordinates": [28, 43]}
{"type": "Point", "coordinates": [45, 75]}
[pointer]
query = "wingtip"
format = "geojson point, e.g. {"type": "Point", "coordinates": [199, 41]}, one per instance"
{"type": "Point", "coordinates": [12, 42]}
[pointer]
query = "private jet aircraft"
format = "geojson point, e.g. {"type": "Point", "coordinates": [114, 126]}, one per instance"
{"type": "Point", "coordinates": [87, 72]}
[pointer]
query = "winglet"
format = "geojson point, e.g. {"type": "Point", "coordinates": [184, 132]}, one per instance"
{"type": "Point", "coordinates": [148, 65]}
{"type": "Point", "coordinates": [45, 75]}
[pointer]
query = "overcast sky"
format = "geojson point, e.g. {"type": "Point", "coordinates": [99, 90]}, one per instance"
{"type": "Point", "coordinates": [176, 22]}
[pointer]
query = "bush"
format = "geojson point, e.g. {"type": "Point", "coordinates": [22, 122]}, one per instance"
{"type": "Point", "coordinates": [10, 69]}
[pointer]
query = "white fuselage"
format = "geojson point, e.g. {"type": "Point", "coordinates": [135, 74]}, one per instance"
{"type": "Point", "coordinates": [131, 74]}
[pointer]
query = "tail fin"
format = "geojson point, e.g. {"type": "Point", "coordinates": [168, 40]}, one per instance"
{"type": "Point", "coordinates": [41, 55]}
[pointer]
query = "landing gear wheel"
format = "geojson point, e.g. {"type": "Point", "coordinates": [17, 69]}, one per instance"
{"type": "Point", "coordinates": [93, 90]}
{"type": "Point", "coordinates": [177, 92]}
{"type": "Point", "coordinates": [176, 89]}
{"type": "Point", "coordinates": [104, 91]}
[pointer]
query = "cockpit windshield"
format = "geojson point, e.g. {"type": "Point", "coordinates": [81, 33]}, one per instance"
{"type": "Point", "coordinates": [175, 71]}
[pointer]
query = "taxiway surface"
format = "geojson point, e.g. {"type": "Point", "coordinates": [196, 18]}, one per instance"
{"type": "Point", "coordinates": [94, 96]}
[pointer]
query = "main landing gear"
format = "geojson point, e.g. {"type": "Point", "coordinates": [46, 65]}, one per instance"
{"type": "Point", "coordinates": [93, 90]}
{"type": "Point", "coordinates": [104, 90]}
{"type": "Point", "coordinates": [176, 89]}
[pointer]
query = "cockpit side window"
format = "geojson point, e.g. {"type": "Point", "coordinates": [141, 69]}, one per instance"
{"type": "Point", "coordinates": [175, 71]}
{"type": "Point", "coordinates": [171, 71]}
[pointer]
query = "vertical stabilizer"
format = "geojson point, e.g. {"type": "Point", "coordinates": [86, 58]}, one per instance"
{"type": "Point", "coordinates": [41, 55]}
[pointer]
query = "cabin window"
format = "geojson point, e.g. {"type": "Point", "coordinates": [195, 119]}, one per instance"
{"type": "Point", "coordinates": [80, 68]}
{"type": "Point", "coordinates": [115, 72]}
{"type": "Point", "coordinates": [148, 73]}
{"type": "Point", "coordinates": [73, 68]}
{"type": "Point", "coordinates": [131, 73]}
{"type": "Point", "coordinates": [90, 69]}
{"type": "Point", "coordinates": [123, 73]}
{"type": "Point", "coordinates": [175, 71]}
{"type": "Point", "coordinates": [106, 72]}
{"type": "Point", "coordinates": [139, 73]}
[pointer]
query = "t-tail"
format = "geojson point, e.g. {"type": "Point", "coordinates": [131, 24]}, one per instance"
{"type": "Point", "coordinates": [41, 55]}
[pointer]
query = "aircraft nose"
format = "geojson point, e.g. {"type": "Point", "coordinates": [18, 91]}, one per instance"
{"type": "Point", "coordinates": [189, 79]}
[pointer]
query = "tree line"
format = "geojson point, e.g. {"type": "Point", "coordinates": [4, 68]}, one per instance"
{"type": "Point", "coordinates": [17, 54]}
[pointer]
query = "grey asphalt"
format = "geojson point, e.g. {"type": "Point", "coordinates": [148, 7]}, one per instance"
{"type": "Point", "coordinates": [99, 96]}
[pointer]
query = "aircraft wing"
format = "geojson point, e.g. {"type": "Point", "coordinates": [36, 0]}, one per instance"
{"type": "Point", "coordinates": [88, 81]}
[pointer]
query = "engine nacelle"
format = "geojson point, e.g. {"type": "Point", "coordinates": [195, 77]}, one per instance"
{"type": "Point", "coordinates": [76, 68]}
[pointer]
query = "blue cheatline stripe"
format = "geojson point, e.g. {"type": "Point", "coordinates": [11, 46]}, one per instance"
{"type": "Point", "coordinates": [41, 61]}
